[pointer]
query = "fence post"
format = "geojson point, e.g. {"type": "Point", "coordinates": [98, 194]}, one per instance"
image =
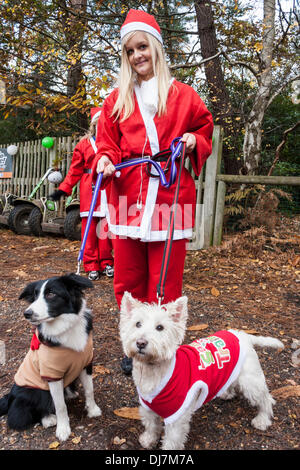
{"type": "Point", "coordinates": [52, 158]}
{"type": "Point", "coordinates": [213, 165]}
{"type": "Point", "coordinates": [219, 217]}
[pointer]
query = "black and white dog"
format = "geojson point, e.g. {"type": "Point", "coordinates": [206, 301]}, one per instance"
{"type": "Point", "coordinates": [61, 351]}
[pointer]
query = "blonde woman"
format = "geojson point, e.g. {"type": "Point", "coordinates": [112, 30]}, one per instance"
{"type": "Point", "coordinates": [139, 118]}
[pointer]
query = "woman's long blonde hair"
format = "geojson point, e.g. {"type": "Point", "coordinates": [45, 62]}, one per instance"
{"type": "Point", "coordinates": [127, 77]}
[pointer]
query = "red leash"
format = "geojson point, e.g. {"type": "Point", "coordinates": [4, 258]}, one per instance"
{"type": "Point", "coordinates": [170, 233]}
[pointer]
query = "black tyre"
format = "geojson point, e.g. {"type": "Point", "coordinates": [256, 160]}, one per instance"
{"type": "Point", "coordinates": [2, 203]}
{"type": "Point", "coordinates": [35, 222]}
{"type": "Point", "coordinates": [72, 225]}
{"type": "Point", "coordinates": [18, 219]}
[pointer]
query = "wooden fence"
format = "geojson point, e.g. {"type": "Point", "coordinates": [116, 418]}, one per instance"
{"type": "Point", "coordinates": [33, 160]}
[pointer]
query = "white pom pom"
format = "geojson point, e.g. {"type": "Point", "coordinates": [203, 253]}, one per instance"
{"type": "Point", "coordinates": [55, 177]}
{"type": "Point", "coordinates": [12, 150]}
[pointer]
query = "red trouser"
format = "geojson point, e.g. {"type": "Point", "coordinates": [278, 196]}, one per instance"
{"type": "Point", "coordinates": [98, 249]}
{"type": "Point", "coordinates": [138, 265]}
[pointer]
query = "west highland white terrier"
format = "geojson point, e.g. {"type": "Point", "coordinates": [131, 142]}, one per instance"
{"type": "Point", "coordinates": [173, 381]}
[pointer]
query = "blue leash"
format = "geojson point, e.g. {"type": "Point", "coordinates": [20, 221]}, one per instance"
{"type": "Point", "coordinates": [176, 149]}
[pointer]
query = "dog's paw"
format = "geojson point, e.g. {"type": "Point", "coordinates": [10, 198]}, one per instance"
{"type": "Point", "coordinates": [170, 445]}
{"type": "Point", "coordinates": [63, 431]}
{"type": "Point", "coordinates": [261, 422]}
{"type": "Point", "coordinates": [147, 440]}
{"type": "Point", "coordinates": [94, 411]}
{"type": "Point", "coordinates": [49, 421]}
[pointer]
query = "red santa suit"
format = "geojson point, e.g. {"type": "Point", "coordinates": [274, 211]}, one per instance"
{"type": "Point", "coordinates": [98, 248]}
{"type": "Point", "coordinates": [139, 206]}
{"type": "Point", "coordinates": [203, 369]}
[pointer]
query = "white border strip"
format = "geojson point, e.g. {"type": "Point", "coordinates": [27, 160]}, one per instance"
{"type": "Point", "coordinates": [139, 26]}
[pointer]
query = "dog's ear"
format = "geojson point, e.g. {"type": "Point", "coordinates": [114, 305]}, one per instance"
{"type": "Point", "coordinates": [73, 280]}
{"type": "Point", "coordinates": [179, 310]}
{"type": "Point", "coordinates": [128, 303]}
{"type": "Point", "coordinates": [28, 292]}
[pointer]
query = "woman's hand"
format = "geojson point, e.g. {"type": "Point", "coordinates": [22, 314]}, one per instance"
{"type": "Point", "coordinates": [190, 141]}
{"type": "Point", "coordinates": [105, 166]}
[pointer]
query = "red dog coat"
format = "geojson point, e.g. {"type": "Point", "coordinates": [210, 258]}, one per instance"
{"type": "Point", "coordinates": [206, 367]}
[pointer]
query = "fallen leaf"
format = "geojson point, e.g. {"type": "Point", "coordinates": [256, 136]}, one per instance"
{"type": "Point", "coordinates": [20, 273]}
{"type": "Point", "coordinates": [117, 441]}
{"type": "Point", "coordinates": [234, 425]}
{"type": "Point", "coordinates": [54, 445]}
{"type": "Point", "coordinates": [76, 440]}
{"type": "Point", "coordinates": [295, 261]}
{"type": "Point", "coordinates": [202, 326]}
{"type": "Point", "coordinates": [286, 392]}
{"type": "Point", "coordinates": [215, 292]}
{"type": "Point", "coordinates": [188, 286]}
{"type": "Point", "coordinates": [98, 369]}
{"type": "Point", "coordinates": [129, 413]}
{"type": "Point", "coordinates": [43, 247]}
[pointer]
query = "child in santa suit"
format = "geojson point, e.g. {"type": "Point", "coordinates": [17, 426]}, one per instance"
{"type": "Point", "coordinates": [140, 118]}
{"type": "Point", "coordinates": [97, 257]}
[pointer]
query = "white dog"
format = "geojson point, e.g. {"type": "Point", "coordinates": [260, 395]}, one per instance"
{"type": "Point", "coordinates": [173, 381]}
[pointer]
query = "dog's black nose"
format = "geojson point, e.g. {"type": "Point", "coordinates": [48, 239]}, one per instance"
{"type": "Point", "coordinates": [141, 344]}
{"type": "Point", "coordinates": [28, 314]}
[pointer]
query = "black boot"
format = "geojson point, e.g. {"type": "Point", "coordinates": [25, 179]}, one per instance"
{"type": "Point", "coordinates": [126, 365]}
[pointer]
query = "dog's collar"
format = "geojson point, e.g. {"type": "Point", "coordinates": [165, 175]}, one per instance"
{"type": "Point", "coordinates": [37, 339]}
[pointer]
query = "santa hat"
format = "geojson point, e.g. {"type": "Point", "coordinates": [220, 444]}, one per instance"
{"type": "Point", "coordinates": [95, 113]}
{"type": "Point", "coordinates": [138, 20]}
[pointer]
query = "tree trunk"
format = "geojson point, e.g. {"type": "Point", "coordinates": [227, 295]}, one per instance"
{"type": "Point", "coordinates": [253, 128]}
{"type": "Point", "coordinates": [219, 98]}
{"type": "Point", "coordinates": [74, 28]}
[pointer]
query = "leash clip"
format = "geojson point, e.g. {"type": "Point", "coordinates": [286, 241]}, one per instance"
{"type": "Point", "coordinates": [159, 299]}
{"type": "Point", "coordinates": [78, 268]}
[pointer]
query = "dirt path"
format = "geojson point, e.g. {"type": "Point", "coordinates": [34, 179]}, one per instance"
{"type": "Point", "coordinates": [251, 283]}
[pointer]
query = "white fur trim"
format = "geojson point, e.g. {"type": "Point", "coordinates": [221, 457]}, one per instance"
{"type": "Point", "coordinates": [153, 184]}
{"type": "Point", "coordinates": [162, 384]}
{"type": "Point", "coordinates": [151, 236]}
{"type": "Point", "coordinates": [96, 116]}
{"type": "Point", "coordinates": [198, 387]}
{"type": "Point", "coordinates": [139, 26]}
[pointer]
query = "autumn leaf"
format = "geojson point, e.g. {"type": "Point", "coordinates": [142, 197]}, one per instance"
{"type": "Point", "coordinates": [129, 413]}
{"type": "Point", "coordinates": [20, 273]}
{"type": "Point", "coordinates": [54, 445]}
{"type": "Point", "coordinates": [202, 326]}
{"type": "Point", "coordinates": [188, 286]}
{"type": "Point", "coordinates": [286, 392]}
{"type": "Point", "coordinates": [76, 440]}
{"type": "Point", "coordinates": [215, 292]}
{"type": "Point", "coordinates": [117, 441]}
{"type": "Point", "coordinates": [100, 370]}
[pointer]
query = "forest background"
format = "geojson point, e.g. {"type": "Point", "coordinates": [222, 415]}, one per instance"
{"type": "Point", "coordinates": [59, 58]}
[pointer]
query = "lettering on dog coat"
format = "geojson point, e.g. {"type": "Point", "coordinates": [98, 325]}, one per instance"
{"type": "Point", "coordinates": [206, 367]}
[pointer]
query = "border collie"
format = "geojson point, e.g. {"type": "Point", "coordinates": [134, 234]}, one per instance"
{"type": "Point", "coordinates": [61, 351]}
